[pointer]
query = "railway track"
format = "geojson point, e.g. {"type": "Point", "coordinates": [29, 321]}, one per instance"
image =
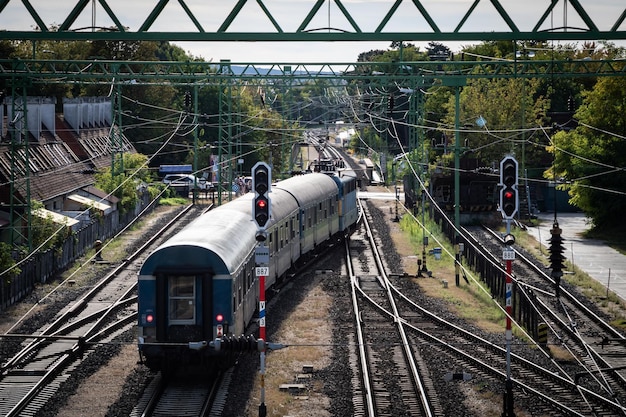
{"type": "Point", "coordinates": [183, 394]}
{"type": "Point", "coordinates": [538, 380]}
{"type": "Point", "coordinates": [597, 349]}
{"type": "Point", "coordinates": [47, 357]}
{"type": "Point", "coordinates": [394, 377]}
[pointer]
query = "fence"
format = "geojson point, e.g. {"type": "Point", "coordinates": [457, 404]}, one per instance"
{"type": "Point", "coordinates": [492, 273]}
{"type": "Point", "coordinates": [45, 266]}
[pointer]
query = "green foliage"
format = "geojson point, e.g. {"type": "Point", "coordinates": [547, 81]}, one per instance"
{"type": "Point", "coordinates": [589, 159]}
{"type": "Point", "coordinates": [367, 140]}
{"type": "Point", "coordinates": [7, 49]}
{"type": "Point", "coordinates": [7, 263]}
{"type": "Point", "coordinates": [496, 49]}
{"type": "Point", "coordinates": [505, 104]}
{"type": "Point", "coordinates": [169, 52]}
{"type": "Point", "coordinates": [418, 230]}
{"type": "Point", "coordinates": [124, 185]}
{"type": "Point", "coordinates": [47, 233]}
{"type": "Point", "coordinates": [173, 201]}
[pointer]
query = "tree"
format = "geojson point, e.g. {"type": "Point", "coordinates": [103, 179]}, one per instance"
{"type": "Point", "coordinates": [124, 185]}
{"type": "Point", "coordinates": [507, 106]}
{"type": "Point", "coordinates": [7, 263]}
{"type": "Point", "coordinates": [438, 51]}
{"type": "Point", "coordinates": [590, 159]}
{"type": "Point", "coordinates": [47, 233]}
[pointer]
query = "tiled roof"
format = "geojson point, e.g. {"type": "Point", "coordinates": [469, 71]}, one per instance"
{"type": "Point", "coordinates": [59, 163]}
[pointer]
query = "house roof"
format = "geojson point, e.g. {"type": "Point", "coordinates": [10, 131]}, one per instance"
{"type": "Point", "coordinates": [55, 217]}
{"type": "Point", "coordinates": [58, 163]}
{"type": "Point", "coordinates": [86, 201]}
{"type": "Point", "coordinates": [103, 195]}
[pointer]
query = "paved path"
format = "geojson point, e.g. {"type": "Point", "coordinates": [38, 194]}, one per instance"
{"type": "Point", "coordinates": [601, 262]}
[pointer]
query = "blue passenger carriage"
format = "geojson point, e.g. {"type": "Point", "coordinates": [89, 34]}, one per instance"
{"type": "Point", "coordinates": [198, 285]}
{"type": "Point", "coordinates": [316, 195]}
{"type": "Point", "coordinates": [347, 195]}
{"type": "Point", "coordinates": [201, 284]}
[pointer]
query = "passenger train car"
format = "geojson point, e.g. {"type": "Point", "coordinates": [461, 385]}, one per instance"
{"type": "Point", "coordinates": [200, 285]}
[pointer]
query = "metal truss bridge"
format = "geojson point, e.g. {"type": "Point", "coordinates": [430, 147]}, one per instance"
{"type": "Point", "coordinates": [315, 20]}
{"type": "Point", "coordinates": [296, 21]}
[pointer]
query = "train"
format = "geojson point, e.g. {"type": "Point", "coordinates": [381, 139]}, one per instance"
{"type": "Point", "coordinates": [479, 192]}
{"type": "Point", "coordinates": [200, 285]}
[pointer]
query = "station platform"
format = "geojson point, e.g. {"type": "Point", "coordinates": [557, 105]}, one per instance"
{"type": "Point", "coordinates": [595, 257]}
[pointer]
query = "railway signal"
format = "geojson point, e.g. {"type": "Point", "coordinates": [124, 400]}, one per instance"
{"type": "Point", "coordinates": [509, 201]}
{"type": "Point", "coordinates": [509, 204]}
{"type": "Point", "coordinates": [261, 184]}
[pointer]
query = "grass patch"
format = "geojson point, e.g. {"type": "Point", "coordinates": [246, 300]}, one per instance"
{"type": "Point", "coordinates": [174, 201]}
{"type": "Point", "coordinates": [471, 302]}
{"type": "Point", "coordinates": [561, 354]}
{"type": "Point", "coordinates": [466, 301]}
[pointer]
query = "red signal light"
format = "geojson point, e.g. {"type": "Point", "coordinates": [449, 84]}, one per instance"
{"type": "Point", "coordinates": [219, 317]}
{"type": "Point", "coordinates": [261, 203]}
{"type": "Point", "coordinates": [149, 318]}
{"type": "Point", "coordinates": [508, 195]}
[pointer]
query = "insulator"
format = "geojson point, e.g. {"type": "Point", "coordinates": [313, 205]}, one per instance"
{"type": "Point", "coordinates": [252, 344]}
{"type": "Point", "coordinates": [556, 251]}
{"type": "Point", "coordinates": [227, 344]}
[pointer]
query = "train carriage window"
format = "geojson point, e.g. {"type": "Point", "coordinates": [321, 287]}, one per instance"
{"type": "Point", "coordinates": [293, 230]}
{"type": "Point", "coordinates": [276, 240]}
{"type": "Point", "coordinates": [182, 299]}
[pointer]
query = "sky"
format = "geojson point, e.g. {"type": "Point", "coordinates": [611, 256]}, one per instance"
{"type": "Point", "coordinates": [289, 14]}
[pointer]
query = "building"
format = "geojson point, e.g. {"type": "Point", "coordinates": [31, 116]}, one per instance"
{"type": "Point", "coordinates": [62, 152]}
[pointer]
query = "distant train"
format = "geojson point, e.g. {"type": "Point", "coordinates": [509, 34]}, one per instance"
{"type": "Point", "coordinates": [200, 285]}
{"type": "Point", "coordinates": [478, 192]}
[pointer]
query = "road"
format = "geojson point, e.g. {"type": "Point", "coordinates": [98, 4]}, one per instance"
{"type": "Point", "coordinates": [595, 257]}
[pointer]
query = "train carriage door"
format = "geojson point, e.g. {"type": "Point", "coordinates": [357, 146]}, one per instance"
{"type": "Point", "coordinates": [185, 307]}
{"type": "Point", "coordinates": [206, 305]}
{"type": "Point", "coordinates": [182, 300]}
{"type": "Point", "coordinates": [161, 313]}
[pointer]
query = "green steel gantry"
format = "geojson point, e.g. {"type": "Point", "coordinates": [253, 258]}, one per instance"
{"type": "Point", "coordinates": [414, 75]}
{"type": "Point", "coordinates": [322, 20]}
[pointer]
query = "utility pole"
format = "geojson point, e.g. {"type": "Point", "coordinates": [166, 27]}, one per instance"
{"type": "Point", "coordinates": [261, 213]}
{"type": "Point", "coordinates": [457, 83]}
{"type": "Point", "coordinates": [509, 204]}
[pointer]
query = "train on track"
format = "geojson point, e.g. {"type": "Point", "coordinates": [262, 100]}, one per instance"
{"type": "Point", "coordinates": [200, 285]}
